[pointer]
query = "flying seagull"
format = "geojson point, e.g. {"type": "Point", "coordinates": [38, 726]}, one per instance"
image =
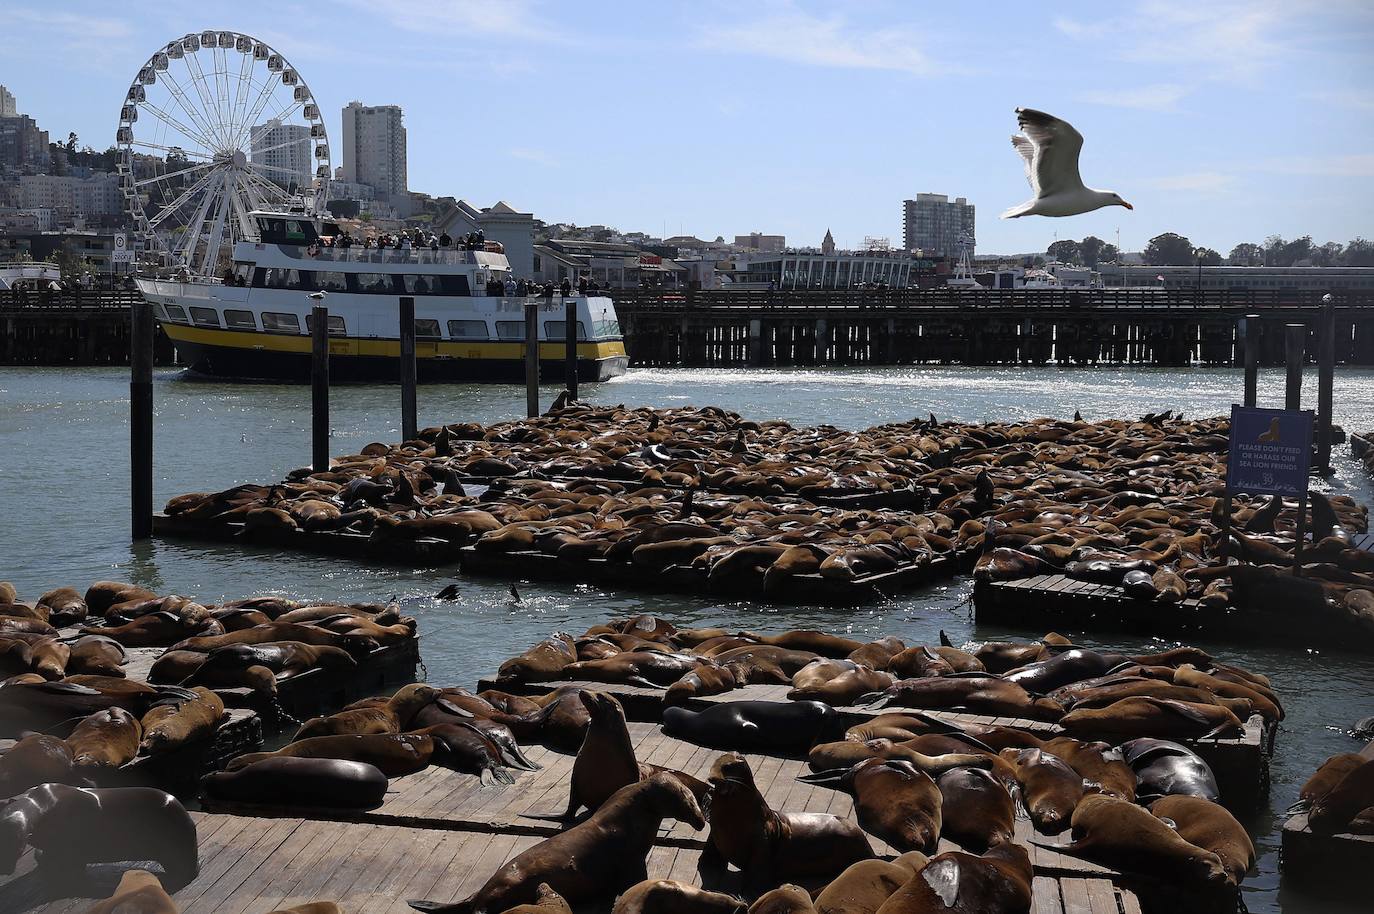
{"type": "Point", "coordinates": [1050, 147]}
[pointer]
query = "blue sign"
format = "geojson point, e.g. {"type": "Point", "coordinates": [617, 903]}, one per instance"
{"type": "Point", "coordinates": [1270, 452]}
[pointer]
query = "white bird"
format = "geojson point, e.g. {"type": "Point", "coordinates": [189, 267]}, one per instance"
{"type": "Point", "coordinates": [317, 296]}
{"type": "Point", "coordinates": [1050, 147]}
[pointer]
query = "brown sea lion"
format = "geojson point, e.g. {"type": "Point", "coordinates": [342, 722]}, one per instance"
{"type": "Point", "coordinates": [1102, 767]}
{"type": "Point", "coordinates": [704, 680]}
{"type": "Point", "coordinates": [864, 886]}
{"type": "Point", "coordinates": [561, 718]}
{"type": "Point", "coordinates": [357, 645]}
{"type": "Point", "coordinates": [917, 662]}
{"type": "Point", "coordinates": [97, 655]}
{"type": "Point", "coordinates": [892, 799]}
{"type": "Point", "coordinates": [175, 723]}
{"type": "Point", "coordinates": [242, 664]}
{"type": "Point", "coordinates": [25, 625]}
{"type": "Point", "coordinates": [106, 739]}
{"type": "Point", "coordinates": [393, 716]}
{"type": "Point", "coordinates": [998, 882]}
{"type": "Point", "coordinates": [898, 726]}
{"type": "Point", "coordinates": [591, 860]}
{"type": "Point", "coordinates": [547, 902]}
{"type": "Point", "coordinates": [878, 654]}
{"type": "Point", "coordinates": [138, 892]}
{"type": "Point", "coordinates": [101, 595]}
{"type": "Point", "coordinates": [786, 659]}
{"type": "Point", "coordinates": [785, 899]}
{"type": "Point", "coordinates": [1331, 772]}
{"type": "Point", "coordinates": [542, 662]}
{"type": "Point", "coordinates": [8, 593]}
{"type": "Point", "coordinates": [1050, 789]}
{"type": "Point", "coordinates": [977, 812]}
{"type": "Point", "coordinates": [1001, 656]}
{"type": "Point", "coordinates": [1144, 716]}
{"type": "Point", "coordinates": [1209, 826]}
{"type": "Point", "coordinates": [816, 642]}
{"type": "Point", "coordinates": [1333, 811]}
{"type": "Point", "coordinates": [766, 845]}
{"type": "Point", "coordinates": [836, 682]}
{"type": "Point", "coordinates": [1189, 675]}
{"type": "Point", "coordinates": [651, 669]}
{"type": "Point", "coordinates": [1127, 837]}
{"type": "Point", "coordinates": [36, 759]}
{"type": "Point", "coordinates": [976, 694]}
{"type": "Point", "coordinates": [65, 606]}
{"type": "Point", "coordinates": [176, 666]}
{"type": "Point", "coordinates": [664, 896]}
{"type": "Point", "coordinates": [395, 754]}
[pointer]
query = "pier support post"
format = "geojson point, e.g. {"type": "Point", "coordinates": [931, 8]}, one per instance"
{"type": "Point", "coordinates": [1250, 328]}
{"type": "Point", "coordinates": [408, 422]}
{"type": "Point", "coordinates": [569, 346]}
{"type": "Point", "coordinates": [755, 343]}
{"type": "Point", "coordinates": [319, 388]}
{"type": "Point", "coordinates": [531, 358]}
{"type": "Point", "coordinates": [1295, 336]}
{"type": "Point", "coordinates": [1326, 377]}
{"type": "Point", "coordinates": [141, 419]}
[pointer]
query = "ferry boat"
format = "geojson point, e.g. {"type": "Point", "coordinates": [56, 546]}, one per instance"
{"type": "Point", "coordinates": [254, 324]}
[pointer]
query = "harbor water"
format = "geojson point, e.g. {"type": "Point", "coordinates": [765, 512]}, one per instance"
{"type": "Point", "coordinates": [64, 515]}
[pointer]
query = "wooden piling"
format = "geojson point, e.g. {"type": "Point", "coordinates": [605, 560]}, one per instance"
{"type": "Point", "coordinates": [1294, 339]}
{"type": "Point", "coordinates": [1326, 377]}
{"type": "Point", "coordinates": [409, 426]}
{"type": "Point", "coordinates": [319, 388]}
{"type": "Point", "coordinates": [141, 419]}
{"type": "Point", "coordinates": [569, 346]}
{"type": "Point", "coordinates": [531, 358]}
{"type": "Point", "coordinates": [1251, 324]}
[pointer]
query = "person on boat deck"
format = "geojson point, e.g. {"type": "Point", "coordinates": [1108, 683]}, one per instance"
{"type": "Point", "coordinates": [582, 285]}
{"type": "Point", "coordinates": [229, 277]}
{"type": "Point", "coordinates": [405, 242]}
{"type": "Point", "coordinates": [421, 287]}
{"type": "Point", "coordinates": [433, 243]}
{"type": "Point", "coordinates": [565, 286]}
{"type": "Point", "coordinates": [509, 287]}
{"type": "Point", "coordinates": [445, 241]}
{"type": "Point", "coordinates": [522, 288]}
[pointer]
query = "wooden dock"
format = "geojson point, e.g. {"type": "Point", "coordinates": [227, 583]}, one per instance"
{"type": "Point", "coordinates": [1241, 763]}
{"type": "Point", "coordinates": [1336, 860]}
{"type": "Point", "coordinates": [253, 865]}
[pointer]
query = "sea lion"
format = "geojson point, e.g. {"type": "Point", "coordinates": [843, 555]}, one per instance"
{"type": "Point", "coordinates": [8, 593]}
{"type": "Point", "coordinates": [1164, 718]}
{"type": "Point", "coordinates": [917, 662]}
{"type": "Point", "coordinates": [899, 726]}
{"type": "Point", "coordinates": [998, 882]}
{"type": "Point", "coordinates": [766, 655]}
{"type": "Point", "coordinates": [836, 682]}
{"type": "Point", "coordinates": [461, 746]}
{"type": "Point", "coordinates": [593, 859]}
{"type": "Point", "coordinates": [138, 892]}
{"type": "Point", "coordinates": [396, 754]}
{"type": "Point", "coordinates": [1331, 772]}
{"type": "Point", "coordinates": [73, 827]}
{"type": "Point", "coordinates": [785, 899]}
{"type": "Point", "coordinates": [560, 716]}
{"type": "Point", "coordinates": [36, 759]}
{"type": "Point", "coordinates": [977, 812]}
{"type": "Point", "coordinates": [1210, 827]}
{"type": "Point", "coordinates": [972, 693]}
{"type": "Point", "coordinates": [1072, 665]}
{"type": "Point", "coordinates": [244, 664]}
{"type": "Point", "coordinates": [768, 846]}
{"type": "Point", "coordinates": [101, 595]}
{"type": "Point", "coordinates": [664, 896]}
{"type": "Point", "coordinates": [1001, 656]}
{"type": "Point", "coordinates": [864, 886]}
{"type": "Point", "coordinates": [1164, 768]}
{"type": "Point", "coordinates": [1189, 675]}
{"type": "Point", "coordinates": [105, 739]}
{"type": "Point", "coordinates": [393, 716]}
{"type": "Point", "coordinates": [357, 645]}
{"type": "Point", "coordinates": [817, 642]}
{"type": "Point", "coordinates": [41, 654]}
{"type": "Point", "coordinates": [1127, 837]}
{"type": "Point", "coordinates": [1334, 810]}
{"type": "Point", "coordinates": [652, 669]}
{"type": "Point", "coordinates": [65, 606]}
{"type": "Point", "coordinates": [290, 781]}
{"type": "Point", "coordinates": [705, 679]}
{"type": "Point", "coordinates": [97, 655]}
{"type": "Point", "coordinates": [751, 726]}
{"type": "Point", "coordinates": [176, 666]}
{"type": "Point", "coordinates": [175, 723]}
{"type": "Point", "coordinates": [878, 654]}
{"type": "Point", "coordinates": [157, 629]}
{"type": "Point", "coordinates": [892, 799]}
{"type": "Point", "coordinates": [540, 663]}
{"type": "Point", "coordinates": [548, 902]}
{"type": "Point", "coordinates": [1102, 767]}
{"type": "Point", "coordinates": [1050, 789]}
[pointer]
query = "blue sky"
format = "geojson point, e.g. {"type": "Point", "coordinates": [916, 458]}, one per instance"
{"type": "Point", "coordinates": [1223, 121]}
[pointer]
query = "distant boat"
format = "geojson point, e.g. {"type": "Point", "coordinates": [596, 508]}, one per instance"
{"type": "Point", "coordinates": [28, 274]}
{"type": "Point", "coordinates": [255, 324]}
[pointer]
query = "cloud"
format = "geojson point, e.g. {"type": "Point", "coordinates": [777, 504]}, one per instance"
{"type": "Point", "coordinates": [1337, 166]}
{"type": "Point", "coordinates": [1161, 97]}
{"type": "Point", "coordinates": [89, 41]}
{"type": "Point", "coordinates": [467, 18]}
{"type": "Point", "coordinates": [1358, 99]}
{"type": "Point", "coordinates": [537, 156]}
{"type": "Point", "coordinates": [1202, 182]}
{"type": "Point", "coordinates": [794, 36]}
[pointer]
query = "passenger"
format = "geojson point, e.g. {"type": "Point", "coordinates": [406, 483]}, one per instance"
{"type": "Point", "coordinates": [421, 287]}
{"type": "Point", "coordinates": [582, 285]}
{"type": "Point", "coordinates": [548, 291]}
{"type": "Point", "coordinates": [565, 286]}
{"type": "Point", "coordinates": [522, 289]}
{"type": "Point", "coordinates": [405, 243]}
{"type": "Point", "coordinates": [509, 287]}
{"type": "Point", "coordinates": [445, 241]}
{"type": "Point", "coordinates": [433, 243]}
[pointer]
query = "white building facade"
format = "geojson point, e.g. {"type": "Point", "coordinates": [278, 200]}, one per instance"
{"type": "Point", "coordinates": [935, 225]}
{"type": "Point", "coordinates": [8, 106]}
{"type": "Point", "coordinates": [374, 147]}
{"type": "Point", "coordinates": [284, 150]}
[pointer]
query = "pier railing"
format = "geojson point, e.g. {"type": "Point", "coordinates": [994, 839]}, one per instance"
{"type": "Point", "coordinates": [20, 301]}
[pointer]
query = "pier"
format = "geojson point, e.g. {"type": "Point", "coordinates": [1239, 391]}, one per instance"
{"type": "Point", "coordinates": [71, 328]}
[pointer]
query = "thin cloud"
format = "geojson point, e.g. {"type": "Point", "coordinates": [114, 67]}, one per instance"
{"type": "Point", "coordinates": [1197, 182]}
{"type": "Point", "coordinates": [798, 37]}
{"type": "Point", "coordinates": [1162, 97]}
{"type": "Point", "coordinates": [469, 18]}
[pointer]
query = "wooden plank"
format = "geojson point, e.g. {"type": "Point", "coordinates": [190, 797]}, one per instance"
{"type": "Point", "coordinates": [1045, 896]}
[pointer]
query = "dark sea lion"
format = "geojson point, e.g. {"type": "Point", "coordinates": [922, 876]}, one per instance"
{"type": "Point", "coordinates": [591, 860]}
{"type": "Point", "coordinates": [37, 759]}
{"type": "Point", "coordinates": [396, 754]}
{"type": "Point", "coordinates": [1209, 826]}
{"type": "Point", "coordinates": [174, 723]}
{"type": "Point", "coordinates": [1125, 836]}
{"type": "Point", "coordinates": [73, 827]}
{"type": "Point", "coordinates": [892, 799]}
{"type": "Point", "coordinates": [105, 739]}
{"type": "Point", "coordinates": [641, 668]}
{"type": "Point", "coordinates": [97, 655]}
{"type": "Point", "coordinates": [972, 693]}
{"type": "Point", "coordinates": [541, 662]}
{"type": "Point", "coordinates": [704, 680]}
{"type": "Point", "coordinates": [977, 812]}
{"type": "Point", "coordinates": [65, 606]}
{"type": "Point", "coordinates": [1070, 666]}
{"type": "Point", "coordinates": [41, 706]}
{"type": "Point", "coordinates": [560, 720]}
{"type": "Point", "coordinates": [1164, 768]}
{"type": "Point", "coordinates": [461, 746]}
{"type": "Point", "coordinates": [1334, 810]}
{"type": "Point", "coordinates": [751, 726]}
{"type": "Point", "coordinates": [864, 886]}
{"type": "Point", "coordinates": [998, 882]}
{"type": "Point", "coordinates": [1102, 767]}
{"type": "Point", "coordinates": [392, 716]}
{"type": "Point", "coordinates": [768, 846]}
{"type": "Point", "coordinates": [138, 892]}
{"type": "Point", "coordinates": [665, 896]}
{"type": "Point", "coordinates": [1145, 716]}
{"type": "Point", "coordinates": [1050, 789]}
{"type": "Point", "coordinates": [1328, 776]}
{"type": "Point", "coordinates": [289, 781]}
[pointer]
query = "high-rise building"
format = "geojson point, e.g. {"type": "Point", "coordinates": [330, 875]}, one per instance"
{"type": "Point", "coordinates": [8, 107]}
{"type": "Point", "coordinates": [757, 241]}
{"type": "Point", "coordinates": [22, 145]}
{"type": "Point", "coordinates": [935, 226]}
{"type": "Point", "coordinates": [374, 147]}
{"type": "Point", "coordinates": [284, 152]}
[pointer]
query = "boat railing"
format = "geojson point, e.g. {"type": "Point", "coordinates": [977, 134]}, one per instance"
{"type": "Point", "coordinates": [357, 254]}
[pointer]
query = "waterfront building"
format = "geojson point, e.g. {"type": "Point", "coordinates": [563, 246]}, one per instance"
{"type": "Point", "coordinates": [766, 244]}
{"type": "Point", "coordinates": [935, 226]}
{"type": "Point", "coordinates": [284, 150]}
{"type": "Point", "coordinates": [502, 223]}
{"type": "Point", "coordinates": [8, 106]}
{"type": "Point", "coordinates": [96, 195]}
{"type": "Point", "coordinates": [374, 148]}
{"type": "Point", "coordinates": [23, 146]}
{"type": "Point", "coordinates": [1238, 278]}
{"type": "Point", "coordinates": [818, 270]}
{"type": "Point", "coordinates": [609, 264]}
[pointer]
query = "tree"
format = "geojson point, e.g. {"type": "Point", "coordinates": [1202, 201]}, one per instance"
{"type": "Point", "coordinates": [1246, 254]}
{"type": "Point", "coordinates": [1108, 254]}
{"type": "Point", "coordinates": [71, 142]}
{"type": "Point", "coordinates": [1328, 255]}
{"type": "Point", "coordinates": [1090, 250]}
{"type": "Point", "coordinates": [1358, 253]}
{"type": "Point", "coordinates": [1297, 250]}
{"type": "Point", "coordinates": [1207, 257]}
{"type": "Point", "coordinates": [1065, 251]}
{"type": "Point", "coordinates": [1169, 249]}
{"type": "Point", "coordinates": [1273, 250]}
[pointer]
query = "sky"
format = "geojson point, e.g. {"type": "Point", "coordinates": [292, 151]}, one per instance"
{"type": "Point", "coordinates": [1225, 122]}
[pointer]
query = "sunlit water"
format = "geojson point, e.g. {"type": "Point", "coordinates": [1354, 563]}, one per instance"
{"type": "Point", "coordinates": [64, 514]}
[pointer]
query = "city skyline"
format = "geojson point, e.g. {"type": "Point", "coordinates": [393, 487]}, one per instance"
{"type": "Point", "coordinates": [1225, 124]}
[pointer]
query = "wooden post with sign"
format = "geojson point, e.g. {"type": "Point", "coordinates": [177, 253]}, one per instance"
{"type": "Point", "coordinates": [1270, 453]}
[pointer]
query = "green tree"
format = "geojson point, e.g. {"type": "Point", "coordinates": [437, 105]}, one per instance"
{"type": "Point", "coordinates": [1064, 250]}
{"type": "Point", "coordinates": [1358, 253]}
{"type": "Point", "coordinates": [1273, 250]}
{"type": "Point", "coordinates": [1090, 250]}
{"type": "Point", "coordinates": [1328, 255]}
{"type": "Point", "coordinates": [1108, 254]}
{"type": "Point", "coordinates": [1208, 257]}
{"type": "Point", "coordinates": [1296, 250]}
{"type": "Point", "coordinates": [1246, 254]}
{"type": "Point", "coordinates": [1169, 249]}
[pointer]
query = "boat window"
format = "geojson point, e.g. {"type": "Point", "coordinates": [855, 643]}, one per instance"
{"type": "Point", "coordinates": [205, 317]}
{"type": "Point", "coordinates": [330, 281]}
{"type": "Point", "coordinates": [468, 330]}
{"type": "Point", "coordinates": [334, 322]}
{"type": "Point", "coordinates": [606, 328]}
{"type": "Point", "coordinates": [418, 285]}
{"type": "Point", "coordinates": [242, 320]}
{"type": "Point", "coordinates": [285, 230]}
{"type": "Point", "coordinates": [177, 314]}
{"type": "Point", "coordinates": [371, 282]}
{"type": "Point", "coordinates": [243, 274]}
{"type": "Point", "coordinates": [557, 330]}
{"type": "Point", "coordinates": [282, 278]}
{"type": "Point", "coordinates": [285, 323]}
{"type": "Point", "coordinates": [454, 284]}
{"type": "Point", "coordinates": [426, 329]}
{"type": "Point", "coordinates": [158, 312]}
{"type": "Point", "coordinates": [510, 330]}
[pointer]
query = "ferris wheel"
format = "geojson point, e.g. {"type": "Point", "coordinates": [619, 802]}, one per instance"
{"type": "Point", "coordinates": [216, 125]}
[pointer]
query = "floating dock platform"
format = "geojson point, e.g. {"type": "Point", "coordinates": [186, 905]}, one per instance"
{"type": "Point", "coordinates": [1334, 861]}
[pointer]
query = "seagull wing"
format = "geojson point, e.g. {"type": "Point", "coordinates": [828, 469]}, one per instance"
{"type": "Point", "coordinates": [1027, 149]}
{"type": "Point", "coordinates": [1057, 144]}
